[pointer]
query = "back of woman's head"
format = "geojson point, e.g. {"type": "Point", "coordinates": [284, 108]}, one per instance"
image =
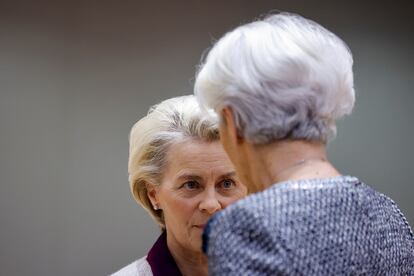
{"type": "Point", "coordinates": [284, 77]}
{"type": "Point", "coordinates": [171, 121]}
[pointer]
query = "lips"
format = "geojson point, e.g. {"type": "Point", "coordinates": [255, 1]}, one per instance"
{"type": "Point", "coordinates": [201, 226]}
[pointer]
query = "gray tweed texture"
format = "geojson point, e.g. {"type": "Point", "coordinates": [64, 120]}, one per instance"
{"type": "Point", "coordinates": [336, 226]}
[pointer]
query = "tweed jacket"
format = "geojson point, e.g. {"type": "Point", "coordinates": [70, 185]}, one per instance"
{"type": "Point", "coordinates": [335, 226]}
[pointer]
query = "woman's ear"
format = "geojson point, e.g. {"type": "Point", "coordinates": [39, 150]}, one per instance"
{"type": "Point", "coordinates": [229, 127]}
{"type": "Point", "coordinates": [152, 195]}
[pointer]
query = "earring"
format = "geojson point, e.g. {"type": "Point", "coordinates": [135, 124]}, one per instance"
{"type": "Point", "coordinates": [156, 207]}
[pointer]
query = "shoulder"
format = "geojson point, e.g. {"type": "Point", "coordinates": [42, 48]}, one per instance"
{"type": "Point", "coordinates": [139, 267]}
{"type": "Point", "coordinates": [279, 228]}
{"type": "Point", "coordinates": [294, 202]}
{"type": "Point", "coordinates": [237, 240]}
{"type": "Point", "coordinates": [240, 225]}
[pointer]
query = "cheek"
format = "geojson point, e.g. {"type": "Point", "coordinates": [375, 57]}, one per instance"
{"type": "Point", "coordinates": [179, 210]}
{"type": "Point", "coordinates": [238, 195]}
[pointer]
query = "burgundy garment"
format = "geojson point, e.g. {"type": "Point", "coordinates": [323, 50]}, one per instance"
{"type": "Point", "coordinates": [160, 259]}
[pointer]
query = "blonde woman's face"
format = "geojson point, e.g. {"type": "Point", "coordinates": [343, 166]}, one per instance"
{"type": "Point", "coordinates": [199, 181]}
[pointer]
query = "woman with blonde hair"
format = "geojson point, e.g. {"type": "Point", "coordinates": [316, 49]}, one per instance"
{"type": "Point", "coordinates": [179, 172]}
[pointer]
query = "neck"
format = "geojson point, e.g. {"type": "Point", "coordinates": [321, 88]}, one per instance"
{"type": "Point", "coordinates": [189, 262]}
{"type": "Point", "coordinates": [287, 160]}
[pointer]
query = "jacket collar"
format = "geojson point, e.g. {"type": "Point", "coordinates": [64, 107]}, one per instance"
{"type": "Point", "coordinates": [160, 259]}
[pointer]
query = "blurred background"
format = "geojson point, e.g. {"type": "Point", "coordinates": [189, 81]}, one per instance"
{"type": "Point", "coordinates": [76, 75]}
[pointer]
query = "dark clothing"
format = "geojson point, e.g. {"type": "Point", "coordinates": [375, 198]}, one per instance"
{"type": "Point", "coordinates": [160, 259]}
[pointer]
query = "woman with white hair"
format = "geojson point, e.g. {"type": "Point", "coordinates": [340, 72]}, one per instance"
{"type": "Point", "coordinates": [179, 172]}
{"type": "Point", "coordinates": [279, 85]}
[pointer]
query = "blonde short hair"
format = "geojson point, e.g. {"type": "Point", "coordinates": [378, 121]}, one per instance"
{"type": "Point", "coordinates": [171, 121]}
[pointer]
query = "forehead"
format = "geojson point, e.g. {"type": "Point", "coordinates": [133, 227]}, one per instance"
{"type": "Point", "coordinates": [198, 157]}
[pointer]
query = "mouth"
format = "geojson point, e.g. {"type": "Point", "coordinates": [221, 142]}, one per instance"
{"type": "Point", "coordinates": [200, 226]}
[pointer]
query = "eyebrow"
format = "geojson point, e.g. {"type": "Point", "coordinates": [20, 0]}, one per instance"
{"type": "Point", "coordinates": [230, 174]}
{"type": "Point", "coordinates": [191, 176]}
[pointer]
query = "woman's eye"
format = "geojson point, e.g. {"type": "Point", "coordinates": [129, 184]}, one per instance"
{"type": "Point", "coordinates": [190, 185]}
{"type": "Point", "coordinates": [227, 184]}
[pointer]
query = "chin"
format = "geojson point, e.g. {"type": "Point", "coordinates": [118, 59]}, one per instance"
{"type": "Point", "coordinates": [196, 247]}
{"type": "Point", "coordinates": [196, 244]}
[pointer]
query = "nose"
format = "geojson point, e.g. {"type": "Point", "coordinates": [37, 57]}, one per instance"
{"type": "Point", "coordinates": [210, 203]}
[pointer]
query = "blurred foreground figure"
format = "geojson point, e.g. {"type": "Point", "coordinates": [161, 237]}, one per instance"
{"type": "Point", "coordinates": [278, 86]}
